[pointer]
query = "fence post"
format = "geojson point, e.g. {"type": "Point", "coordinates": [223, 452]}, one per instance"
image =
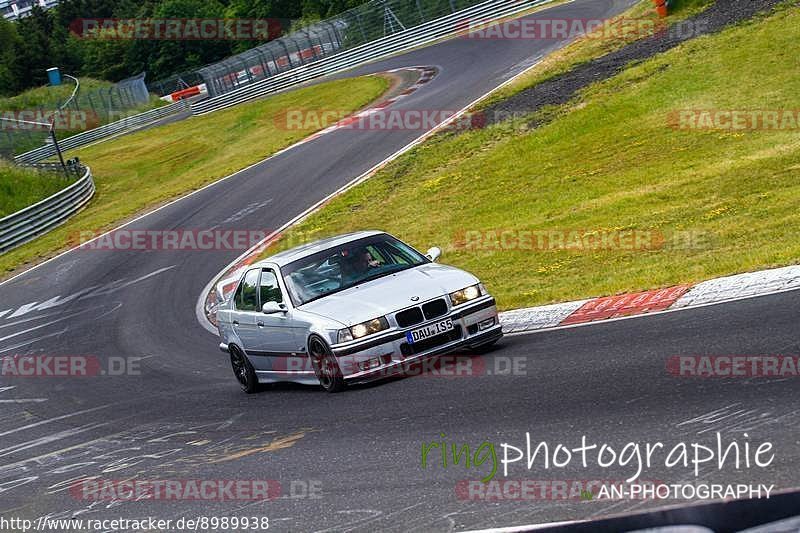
{"type": "Point", "coordinates": [361, 26]}
{"type": "Point", "coordinates": [58, 149]}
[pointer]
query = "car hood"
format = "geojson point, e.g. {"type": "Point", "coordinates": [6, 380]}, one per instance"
{"type": "Point", "coordinates": [390, 293]}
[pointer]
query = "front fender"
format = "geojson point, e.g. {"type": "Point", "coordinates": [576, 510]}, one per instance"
{"type": "Point", "coordinates": [315, 324]}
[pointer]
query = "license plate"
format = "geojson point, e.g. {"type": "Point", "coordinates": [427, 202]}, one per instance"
{"type": "Point", "coordinates": [431, 330]}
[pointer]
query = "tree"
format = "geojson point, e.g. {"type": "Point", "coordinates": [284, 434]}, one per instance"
{"type": "Point", "coordinates": [34, 51]}
{"type": "Point", "coordinates": [170, 57]}
{"type": "Point", "coordinates": [54, 38]}
{"type": "Point", "coordinates": [9, 40]}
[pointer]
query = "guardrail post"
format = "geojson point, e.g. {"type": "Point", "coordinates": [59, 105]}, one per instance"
{"type": "Point", "coordinates": [58, 149]}
{"type": "Point", "coordinates": [361, 27]}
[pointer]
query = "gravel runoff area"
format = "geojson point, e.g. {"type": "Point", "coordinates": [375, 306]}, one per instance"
{"type": "Point", "coordinates": [561, 89]}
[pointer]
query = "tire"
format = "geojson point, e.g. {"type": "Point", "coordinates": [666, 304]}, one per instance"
{"type": "Point", "coordinates": [243, 370]}
{"type": "Point", "coordinates": [326, 367]}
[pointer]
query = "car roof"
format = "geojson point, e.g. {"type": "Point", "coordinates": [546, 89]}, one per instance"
{"type": "Point", "coordinates": [304, 250]}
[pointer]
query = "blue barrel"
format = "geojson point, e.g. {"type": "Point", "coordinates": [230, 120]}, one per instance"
{"type": "Point", "coordinates": [54, 75]}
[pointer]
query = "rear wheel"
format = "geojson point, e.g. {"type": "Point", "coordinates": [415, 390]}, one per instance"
{"type": "Point", "coordinates": [325, 365]}
{"type": "Point", "coordinates": [243, 370]}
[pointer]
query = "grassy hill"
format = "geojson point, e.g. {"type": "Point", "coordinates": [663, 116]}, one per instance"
{"type": "Point", "coordinates": [720, 201]}
{"type": "Point", "coordinates": [21, 187]}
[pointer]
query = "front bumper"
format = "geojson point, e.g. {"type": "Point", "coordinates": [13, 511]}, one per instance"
{"type": "Point", "coordinates": [392, 353]}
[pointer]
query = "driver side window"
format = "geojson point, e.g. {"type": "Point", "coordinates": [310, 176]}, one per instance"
{"type": "Point", "coordinates": [270, 290]}
{"type": "Point", "coordinates": [246, 298]}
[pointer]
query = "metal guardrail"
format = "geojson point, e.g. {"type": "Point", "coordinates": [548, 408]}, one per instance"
{"type": "Point", "coordinates": [397, 42]}
{"type": "Point", "coordinates": [108, 130]}
{"type": "Point", "coordinates": [26, 224]}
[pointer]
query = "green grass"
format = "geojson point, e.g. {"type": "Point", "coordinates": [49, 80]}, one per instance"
{"type": "Point", "coordinates": [139, 171]}
{"type": "Point", "coordinates": [21, 187]}
{"type": "Point", "coordinates": [609, 160]}
{"type": "Point", "coordinates": [46, 96]}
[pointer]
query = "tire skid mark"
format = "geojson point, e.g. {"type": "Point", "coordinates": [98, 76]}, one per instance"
{"type": "Point", "coordinates": [144, 452]}
{"type": "Point", "coordinates": [279, 443]}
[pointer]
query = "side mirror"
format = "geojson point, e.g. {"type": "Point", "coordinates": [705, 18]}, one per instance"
{"type": "Point", "coordinates": [434, 253]}
{"type": "Point", "coordinates": [270, 308]}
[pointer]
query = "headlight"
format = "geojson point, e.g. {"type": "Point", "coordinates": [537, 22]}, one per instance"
{"type": "Point", "coordinates": [362, 330]}
{"type": "Point", "coordinates": [465, 295]}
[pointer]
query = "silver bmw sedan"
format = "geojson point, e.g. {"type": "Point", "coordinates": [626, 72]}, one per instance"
{"type": "Point", "coordinates": [348, 309]}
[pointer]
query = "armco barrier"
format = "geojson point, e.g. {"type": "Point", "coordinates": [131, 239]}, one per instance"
{"type": "Point", "coordinates": [22, 226]}
{"type": "Point", "coordinates": [108, 130]}
{"type": "Point", "coordinates": [385, 46]}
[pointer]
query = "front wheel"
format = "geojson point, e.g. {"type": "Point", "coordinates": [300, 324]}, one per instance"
{"type": "Point", "coordinates": [325, 365]}
{"type": "Point", "coordinates": [243, 370]}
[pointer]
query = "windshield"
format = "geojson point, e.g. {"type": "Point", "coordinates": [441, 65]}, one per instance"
{"type": "Point", "coordinates": [351, 264]}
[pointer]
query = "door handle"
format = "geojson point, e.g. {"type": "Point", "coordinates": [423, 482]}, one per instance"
{"type": "Point", "coordinates": [235, 322]}
{"type": "Point", "coordinates": [260, 324]}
